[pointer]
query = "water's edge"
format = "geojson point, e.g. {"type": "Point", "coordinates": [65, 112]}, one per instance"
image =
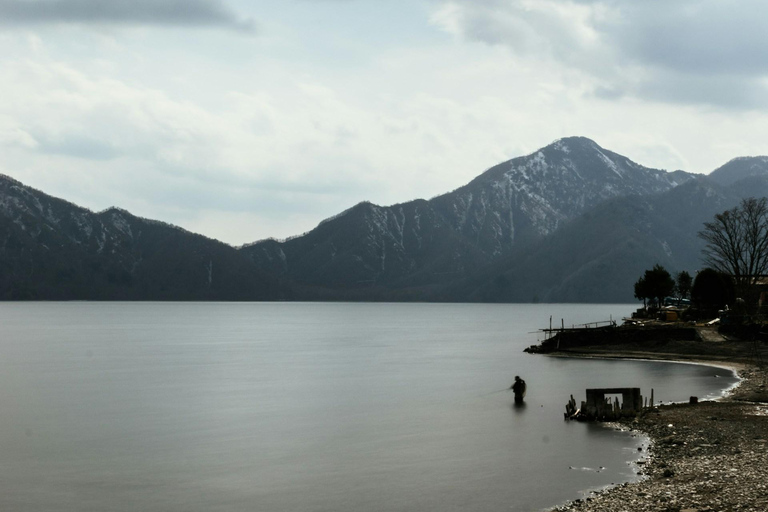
{"type": "Point", "coordinates": [644, 439]}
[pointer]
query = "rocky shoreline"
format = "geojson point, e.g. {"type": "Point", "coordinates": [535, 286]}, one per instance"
{"type": "Point", "coordinates": [707, 457]}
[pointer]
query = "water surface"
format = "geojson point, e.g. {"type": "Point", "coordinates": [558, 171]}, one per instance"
{"type": "Point", "coordinates": [305, 407]}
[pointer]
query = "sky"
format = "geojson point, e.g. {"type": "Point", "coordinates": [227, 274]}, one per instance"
{"type": "Point", "coordinates": [242, 120]}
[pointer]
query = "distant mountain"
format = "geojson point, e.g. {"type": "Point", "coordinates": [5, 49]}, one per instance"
{"type": "Point", "coordinates": [599, 256]}
{"type": "Point", "coordinates": [430, 243]}
{"type": "Point", "coordinates": [53, 250]}
{"type": "Point", "coordinates": [739, 169]}
{"type": "Point", "coordinates": [572, 222]}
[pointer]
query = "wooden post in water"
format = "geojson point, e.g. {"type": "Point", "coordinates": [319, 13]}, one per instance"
{"type": "Point", "coordinates": [652, 402]}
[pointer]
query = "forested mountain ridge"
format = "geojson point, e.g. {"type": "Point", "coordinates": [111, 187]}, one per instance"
{"type": "Point", "coordinates": [426, 243]}
{"type": "Point", "coordinates": [52, 249]}
{"type": "Point", "coordinates": [739, 169]}
{"type": "Point", "coordinates": [598, 256]}
{"type": "Point", "coordinates": [572, 222]}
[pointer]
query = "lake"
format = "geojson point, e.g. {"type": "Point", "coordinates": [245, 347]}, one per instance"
{"type": "Point", "coordinates": [282, 407]}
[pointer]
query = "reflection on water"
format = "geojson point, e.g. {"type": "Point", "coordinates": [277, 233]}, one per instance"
{"type": "Point", "coordinates": [285, 407]}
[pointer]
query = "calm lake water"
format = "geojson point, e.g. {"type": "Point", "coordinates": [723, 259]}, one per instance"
{"type": "Point", "coordinates": [305, 407]}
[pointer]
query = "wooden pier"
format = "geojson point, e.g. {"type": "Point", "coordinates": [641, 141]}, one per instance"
{"type": "Point", "coordinates": [548, 333]}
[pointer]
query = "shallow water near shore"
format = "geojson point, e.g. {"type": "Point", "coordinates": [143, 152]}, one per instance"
{"type": "Point", "coordinates": [306, 407]}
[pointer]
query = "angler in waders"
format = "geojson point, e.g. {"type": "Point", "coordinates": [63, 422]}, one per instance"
{"type": "Point", "coordinates": [518, 388]}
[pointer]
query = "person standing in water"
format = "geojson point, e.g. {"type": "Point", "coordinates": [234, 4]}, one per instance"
{"type": "Point", "coordinates": [518, 388]}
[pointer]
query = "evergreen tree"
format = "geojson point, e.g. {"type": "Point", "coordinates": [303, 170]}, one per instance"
{"type": "Point", "coordinates": [641, 291]}
{"type": "Point", "coordinates": [712, 290]}
{"type": "Point", "coordinates": [655, 284]}
{"type": "Point", "coordinates": [684, 283]}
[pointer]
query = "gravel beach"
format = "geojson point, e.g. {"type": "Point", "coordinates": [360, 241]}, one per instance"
{"type": "Point", "coordinates": [706, 457]}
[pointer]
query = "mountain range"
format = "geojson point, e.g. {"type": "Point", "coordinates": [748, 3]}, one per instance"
{"type": "Point", "coordinates": [572, 222]}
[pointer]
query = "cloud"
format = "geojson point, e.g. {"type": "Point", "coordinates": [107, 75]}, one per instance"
{"type": "Point", "coordinates": [242, 144]}
{"type": "Point", "coordinates": [706, 37]}
{"type": "Point", "coordinates": [197, 13]}
{"type": "Point", "coordinates": [163, 157]}
{"type": "Point", "coordinates": [704, 52]}
{"type": "Point", "coordinates": [80, 147]}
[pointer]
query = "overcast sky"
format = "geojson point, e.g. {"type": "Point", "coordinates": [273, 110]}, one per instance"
{"type": "Point", "coordinates": [243, 120]}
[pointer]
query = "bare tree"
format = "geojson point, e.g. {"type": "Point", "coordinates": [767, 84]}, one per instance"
{"type": "Point", "coordinates": [737, 242]}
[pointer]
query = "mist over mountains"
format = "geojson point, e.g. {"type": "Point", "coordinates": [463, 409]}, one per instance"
{"type": "Point", "coordinates": [572, 222]}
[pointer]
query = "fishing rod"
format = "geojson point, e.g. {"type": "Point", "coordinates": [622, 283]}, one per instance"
{"type": "Point", "coordinates": [497, 391]}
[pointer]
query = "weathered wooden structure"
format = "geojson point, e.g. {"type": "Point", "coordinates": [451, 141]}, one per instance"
{"type": "Point", "coordinates": [603, 404]}
{"type": "Point", "coordinates": [552, 331]}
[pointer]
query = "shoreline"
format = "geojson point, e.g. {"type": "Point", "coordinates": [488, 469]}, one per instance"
{"type": "Point", "coordinates": [642, 356]}
{"type": "Point", "coordinates": [700, 458]}
{"type": "Point", "coordinates": [733, 366]}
